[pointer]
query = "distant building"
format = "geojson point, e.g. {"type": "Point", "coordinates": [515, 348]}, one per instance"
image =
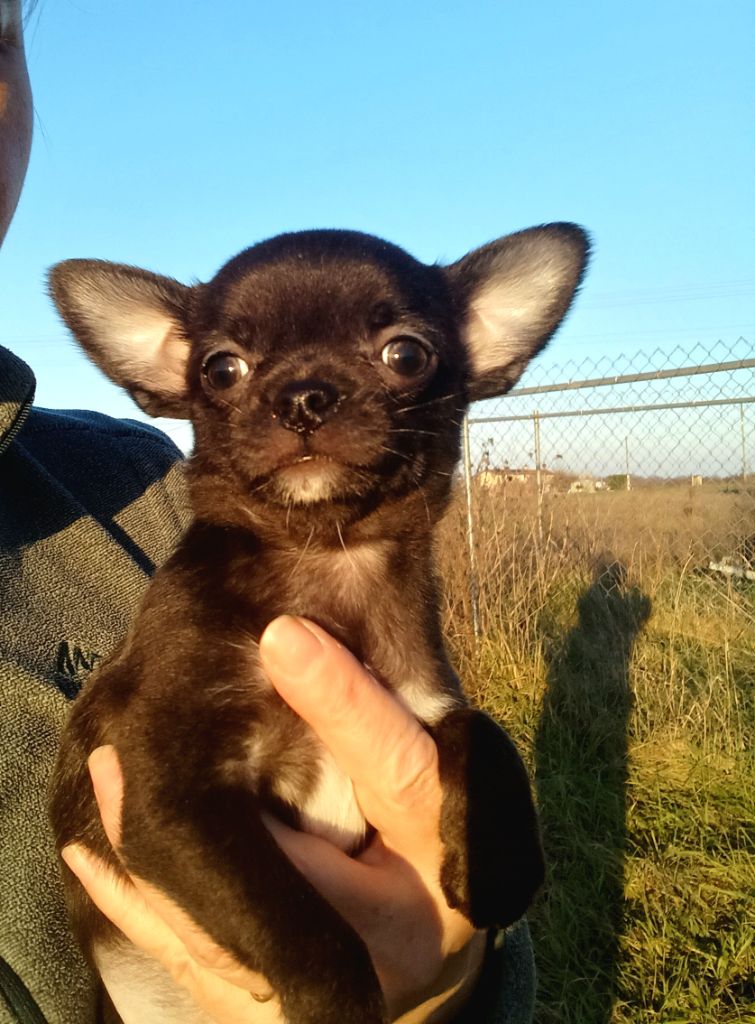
{"type": "Point", "coordinates": [585, 486]}
{"type": "Point", "coordinates": [495, 478]}
{"type": "Point", "coordinates": [500, 477]}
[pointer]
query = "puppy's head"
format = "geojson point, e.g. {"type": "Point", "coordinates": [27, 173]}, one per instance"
{"type": "Point", "coordinates": [324, 371]}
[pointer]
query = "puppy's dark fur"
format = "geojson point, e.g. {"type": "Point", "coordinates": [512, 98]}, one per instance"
{"type": "Point", "coordinates": [326, 374]}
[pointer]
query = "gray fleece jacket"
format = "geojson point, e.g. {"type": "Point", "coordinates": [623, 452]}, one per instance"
{"type": "Point", "coordinates": [89, 506]}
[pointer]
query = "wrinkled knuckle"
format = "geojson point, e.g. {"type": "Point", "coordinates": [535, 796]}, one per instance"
{"type": "Point", "coordinates": [183, 970]}
{"type": "Point", "coordinates": [212, 958]}
{"type": "Point", "coordinates": [414, 780]}
{"type": "Point", "coordinates": [342, 701]}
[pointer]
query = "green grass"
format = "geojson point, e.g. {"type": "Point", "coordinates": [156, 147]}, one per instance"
{"type": "Point", "coordinates": [631, 692]}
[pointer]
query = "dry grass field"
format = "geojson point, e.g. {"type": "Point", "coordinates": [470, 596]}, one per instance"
{"type": "Point", "coordinates": [625, 670]}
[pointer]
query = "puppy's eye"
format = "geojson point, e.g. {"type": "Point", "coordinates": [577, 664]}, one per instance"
{"type": "Point", "coordinates": [406, 356]}
{"type": "Point", "coordinates": [224, 370]}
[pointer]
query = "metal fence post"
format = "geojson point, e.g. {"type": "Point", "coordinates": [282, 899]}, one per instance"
{"type": "Point", "coordinates": [474, 592]}
{"type": "Point", "coordinates": [744, 445]}
{"type": "Point", "coordinates": [538, 477]}
{"type": "Point", "coordinates": [626, 462]}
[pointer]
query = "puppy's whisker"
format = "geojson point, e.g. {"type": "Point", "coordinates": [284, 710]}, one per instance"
{"type": "Point", "coordinates": [229, 405]}
{"type": "Point", "coordinates": [430, 401]}
{"type": "Point", "coordinates": [346, 551]}
{"type": "Point", "coordinates": [303, 553]}
{"type": "Point", "coordinates": [427, 507]}
{"type": "Point", "coordinates": [236, 647]}
{"type": "Point", "coordinates": [262, 486]}
{"type": "Point", "coordinates": [410, 430]}
{"type": "Point", "coordinates": [392, 451]}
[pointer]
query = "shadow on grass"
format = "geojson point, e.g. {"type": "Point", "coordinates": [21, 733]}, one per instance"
{"type": "Point", "coordinates": [581, 773]}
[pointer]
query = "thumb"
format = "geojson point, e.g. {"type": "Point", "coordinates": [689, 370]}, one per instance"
{"type": "Point", "coordinates": [391, 760]}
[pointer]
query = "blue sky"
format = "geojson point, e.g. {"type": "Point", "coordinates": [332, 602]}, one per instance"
{"type": "Point", "coordinates": [173, 134]}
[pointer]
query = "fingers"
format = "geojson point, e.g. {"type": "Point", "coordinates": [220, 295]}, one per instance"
{"type": "Point", "coordinates": [224, 993]}
{"type": "Point", "coordinates": [390, 893]}
{"type": "Point", "coordinates": [123, 905]}
{"type": "Point", "coordinates": [375, 740]}
{"type": "Point", "coordinates": [107, 782]}
{"type": "Point", "coordinates": [350, 885]}
{"type": "Point", "coordinates": [144, 914]}
{"type": "Point", "coordinates": [328, 868]}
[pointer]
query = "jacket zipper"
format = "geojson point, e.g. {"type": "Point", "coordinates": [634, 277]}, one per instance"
{"type": "Point", "coordinates": [17, 997]}
{"type": "Point", "coordinates": [19, 421]}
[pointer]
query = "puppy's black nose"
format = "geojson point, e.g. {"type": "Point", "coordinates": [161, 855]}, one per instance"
{"type": "Point", "coordinates": [303, 406]}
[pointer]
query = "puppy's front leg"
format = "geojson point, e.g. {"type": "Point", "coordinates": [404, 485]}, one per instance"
{"type": "Point", "coordinates": [222, 866]}
{"type": "Point", "coordinates": [492, 857]}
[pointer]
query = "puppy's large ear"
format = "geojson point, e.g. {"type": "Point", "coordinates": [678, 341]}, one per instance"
{"type": "Point", "coordinates": [512, 295]}
{"type": "Point", "coordinates": [129, 322]}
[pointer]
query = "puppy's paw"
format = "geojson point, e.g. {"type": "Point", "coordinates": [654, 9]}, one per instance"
{"type": "Point", "coordinates": [493, 860]}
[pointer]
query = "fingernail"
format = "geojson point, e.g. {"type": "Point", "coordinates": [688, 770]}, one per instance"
{"type": "Point", "coordinates": [74, 856]}
{"type": "Point", "coordinates": [290, 645]}
{"type": "Point", "coordinates": [100, 763]}
{"type": "Point", "coordinates": [99, 758]}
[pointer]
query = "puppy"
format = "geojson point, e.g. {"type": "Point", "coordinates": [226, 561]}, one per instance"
{"type": "Point", "coordinates": [326, 374]}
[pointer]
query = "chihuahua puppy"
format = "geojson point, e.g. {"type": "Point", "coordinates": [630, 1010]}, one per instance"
{"type": "Point", "coordinates": [326, 374]}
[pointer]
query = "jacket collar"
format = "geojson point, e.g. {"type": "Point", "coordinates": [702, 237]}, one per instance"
{"type": "Point", "coordinates": [17, 385]}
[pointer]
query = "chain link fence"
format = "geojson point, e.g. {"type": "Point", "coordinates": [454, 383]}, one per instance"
{"type": "Point", "coordinates": [646, 460]}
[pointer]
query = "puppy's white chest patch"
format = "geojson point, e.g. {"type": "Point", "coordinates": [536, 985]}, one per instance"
{"type": "Point", "coordinates": [426, 703]}
{"type": "Point", "coordinates": [331, 809]}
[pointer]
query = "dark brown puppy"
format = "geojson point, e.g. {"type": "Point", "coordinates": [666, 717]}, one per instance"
{"type": "Point", "coordinates": [326, 374]}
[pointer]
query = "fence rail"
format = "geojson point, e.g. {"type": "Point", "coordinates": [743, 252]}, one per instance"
{"type": "Point", "coordinates": [608, 410]}
{"type": "Point", "coordinates": [635, 378]}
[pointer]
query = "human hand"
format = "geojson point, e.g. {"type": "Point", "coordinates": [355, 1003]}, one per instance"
{"type": "Point", "coordinates": [422, 950]}
{"type": "Point", "coordinates": [427, 956]}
